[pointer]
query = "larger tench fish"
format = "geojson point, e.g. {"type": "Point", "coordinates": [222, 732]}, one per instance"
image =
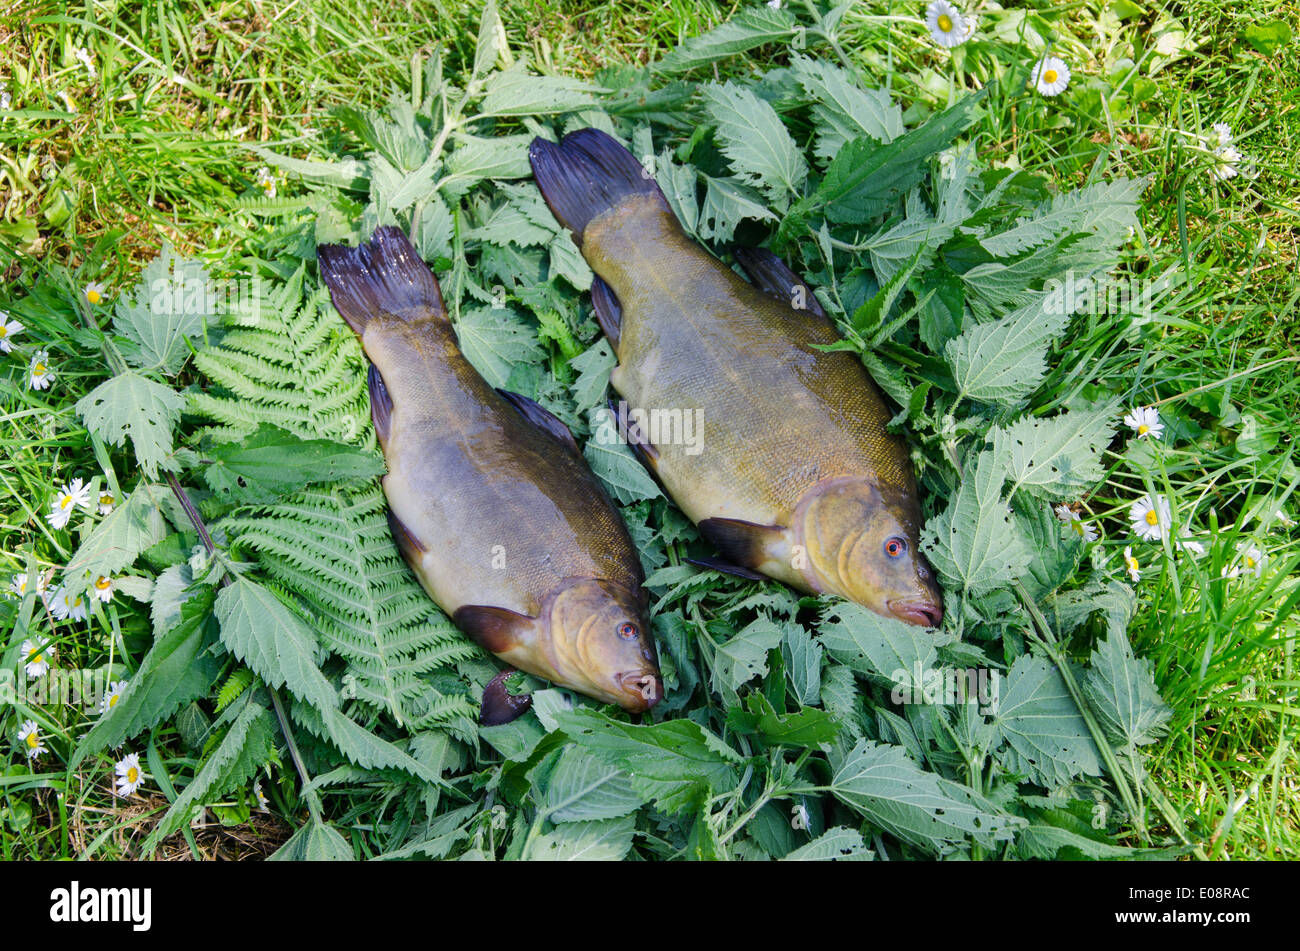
{"type": "Point", "coordinates": [793, 474]}
{"type": "Point", "coordinates": [489, 500]}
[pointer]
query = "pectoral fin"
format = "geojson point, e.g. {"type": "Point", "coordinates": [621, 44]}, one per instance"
{"type": "Point", "coordinates": [494, 629]}
{"type": "Point", "coordinates": [609, 312]}
{"type": "Point", "coordinates": [499, 705]}
{"type": "Point", "coordinates": [739, 542]}
{"type": "Point", "coordinates": [770, 275]}
{"type": "Point", "coordinates": [631, 434]}
{"type": "Point", "coordinates": [381, 404]}
{"type": "Point", "coordinates": [410, 546]}
{"type": "Point", "coordinates": [541, 417]}
{"type": "Point", "coordinates": [717, 564]}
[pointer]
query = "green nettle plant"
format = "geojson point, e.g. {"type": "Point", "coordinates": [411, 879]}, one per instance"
{"type": "Point", "coordinates": [287, 633]}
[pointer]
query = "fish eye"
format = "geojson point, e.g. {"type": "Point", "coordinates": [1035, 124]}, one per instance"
{"type": "Point", "coordinates": [894, 547]}
{"type": "Point", "coordinates": [627, 630]}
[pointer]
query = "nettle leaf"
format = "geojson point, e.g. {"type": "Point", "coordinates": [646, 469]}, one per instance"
{"type": "Point", "coordinates": [1043, 841]}
{"type": "Point", "coordinates": [1059, 456]}
{"type": "Point", "coordinates": [840, 844]}
{"type": "Point", "coordinates": [753, 137]}
{"type": "Point", "coordinates": [874, 644]}
{"type": "Point", "coordinates": [577, 787]}
{"type": "Point", "coordinates": [516, 92]}
{"type": "Point", "coordinates": [1048, 738]}
{"type": "Point", "coordinates": [393, 190]}
{"type": "Point", "coordinates": [491, 46]}
{"type": "Point", "coordinates": [973, 543]}
{"type": "Point", "coordinates": [361, 746]}
{"type": "Point", "coordinates": [314, 842]}
{"type": "Point", "coordinates": [845, 111]}
{"type": "Point", "coordinates": [803, 664]}
{"type": "Point", "coordinates": [726, 204]}
{"type": "Point", "coordinates": [1122, 692]}
{"type": "Point", "coordinates": [808, 727]}
{"type": "Point", "coordinates": [677, 763]}
{"type": "Point", "coordinates": [115, 543]}
{"type": "Point", "coordinates": [272, 462]}
{"type": "Point", "coordinates": [493, 339]}
{"type": "Point", "coordinates": [593, 365]}
{"type": "Point", "coordinates": [750, 28]}
{"type": "Point", "coordinates": [349, 174]}
{"type": "Point", "coordinates": [603, 840]}
{"type": "Point", "coordinates": [743, 656]}
{"type": "Point", "coordinates": [1104, 208]}
{"type": "Point", "coordinates": [475, 159]}
{"type": "Point", "coordinates": [172, 302]}
{"type": "Point", "coordinates": [913, 242]}
{"type": "Point", "coordinates": [132, 405]}
{"type": "Point", "coordinates": [263, 632]}
{"type": "Point", "coordinates": [613, 462]}
{"type": "Point", "coordinates": [177, 669]}
{"type": "Point", "coordinates": [1002, 362]}
{"type": "Point", "coordinates": [678, 183]}
{"type": "Point", "coordinates": [867, 176]}
{"type": "Point", "coordinates": [920, 807]}
{"type": "Point", "coordinates": [248, 744]}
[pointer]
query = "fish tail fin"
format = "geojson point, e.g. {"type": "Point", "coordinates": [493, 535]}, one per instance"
{"type": "Point", "coordinates": [586, 173]}
{"type": "Point", "coordinates": [385, 275]}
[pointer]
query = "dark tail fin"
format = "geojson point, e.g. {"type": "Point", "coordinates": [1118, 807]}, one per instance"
{"type": "Point", "coordinates": [384, 276]}
{"type": "Point", "coordinates": [587, 173]}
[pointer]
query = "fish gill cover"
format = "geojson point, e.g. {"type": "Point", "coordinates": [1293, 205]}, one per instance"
{"type": "Point", "coordinates": [289, 633]}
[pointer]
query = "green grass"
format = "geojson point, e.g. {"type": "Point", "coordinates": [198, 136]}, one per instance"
{"type": "Point", "coordinates": [147, 159]}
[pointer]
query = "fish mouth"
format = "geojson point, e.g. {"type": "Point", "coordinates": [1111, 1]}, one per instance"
{"type": "Point", "coordinates": [642, 689]}
{"type": "Point", "coordinates": [924, 613]}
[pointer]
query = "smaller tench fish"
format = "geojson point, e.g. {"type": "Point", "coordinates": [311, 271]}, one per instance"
{"type": "Point", "coordinates": [489, 499]}
{"type": "Point", "coordinates": [792, 473]}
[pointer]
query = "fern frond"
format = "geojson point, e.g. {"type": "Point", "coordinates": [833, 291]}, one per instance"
{"type": "Point", "coordinates": [331, 547]}
{"type": "Point", "coordinates": [235, 684]}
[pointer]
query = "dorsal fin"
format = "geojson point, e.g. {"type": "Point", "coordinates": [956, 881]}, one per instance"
{"type": "Point", "coordinates": [541, 417]}
{"type": "Point", "coordinates": [770, 275]}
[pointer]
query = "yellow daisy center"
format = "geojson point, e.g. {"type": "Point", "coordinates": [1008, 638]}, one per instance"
{"type": "Point", "coordinates": [103, 584]}
{"type": "Point", "coordinates": [1077, 525]}
{"type": "Point", "coordinates": [92, 295]}
{"type": "Point", "coordinates": [106, 498]}
{"type": "Point", "coordinates": [36, 658]}
{"type": "Point", "coordinates": [4, 331]}
{"type": "Point", "coordinates": [1049, 76]}
{"type": "Point", "coordinates": [65, 501]}
{"type": "Point", "coordinates": [132, 775]}
{"type": "Point", "coordinates": [38, 370]}
{"type": "Point", "coordinates": [1250, 562]}
{"type": "Point", "coordinates": [945, 22]}
{"type": "Point", "coordinates": [33, 739]}
{"type": "Point", "coordinates": [1143, 429]}
{"type": "Point", "coordinates": [112, 700]}
{"type": "Point", "coordinates": [1132, 562]}
{"type": "Point", "coordinates": [1152, 518]}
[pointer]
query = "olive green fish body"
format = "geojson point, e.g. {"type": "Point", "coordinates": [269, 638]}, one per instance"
{"type": "Point", "coordinates": [793, 473]}
{"type": "Point", "coordinates": [489, 501]}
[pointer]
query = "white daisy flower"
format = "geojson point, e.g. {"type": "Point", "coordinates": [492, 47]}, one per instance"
{"type": "Point", "coordinates": [103, 588]}
{"type": "Point", "coordinates": [70, 497]}
{"type": "Point", "coordinates": [111, 698]}
{"type": "Point", "coordinates": [774, 4]}
{"type": "Point", "coordinates": [266, 181]}
{"type": "Point", "coordinates": [30, 737]}
{"type": "Point", "coordinates": [1150, 517]}
{"type": "Point", "coordinates": [1145, 421]}
{"type": "Point", "coordinates": [1285, 520]}
{"type": "Point", "coordinates": [1190, 545]}
{"type": "Point", "coordinates": [6, 100]}
{"type": "Point", "coordinates": [18, 586]}
{"type": "Point", "coordinates": [1051, 75]}
{"type": "Point", "coordinates": [36, 659]}
{"type": "Point", "coordinates": [1226, 160]}
{"type": "Point", "coordinates": [1222, 135]}
{"type": "Point", "coordinates": [106, 502]}
{"type": "Point", "coordinates": [39, 373]}
{"type": "Point", "coordinates": [1131, 563]}
{"type": "Point", "coordinates": [95, 292]}
{"type": "Point", "coordinates": [263, 804]}
{"type": "Point", "coordinates": [82, 56]}
{"type": "Point", "coordinates": [1252, 558]}
{"type": "Point", "coordinates": [65, 606]}
{"type": "Point", "coordinates": [129, 775]}
{"type": "Point", "coordinates": [946, 23]}
{"type": "Point", "coordinates": [8, 330]}
{"type": "Point", "coordinates": [1083, 529]}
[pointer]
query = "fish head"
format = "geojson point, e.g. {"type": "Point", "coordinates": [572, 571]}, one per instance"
{"type": "Point", "coordinates": [863, 544]}
{"type": "Point", "coordinates": [601, 644]}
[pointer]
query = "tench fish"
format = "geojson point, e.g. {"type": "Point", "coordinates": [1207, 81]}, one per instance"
{"type": "Point", "coordinates": [792, 475]}
{"type": "Point", "coordinates": [489, 499]}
